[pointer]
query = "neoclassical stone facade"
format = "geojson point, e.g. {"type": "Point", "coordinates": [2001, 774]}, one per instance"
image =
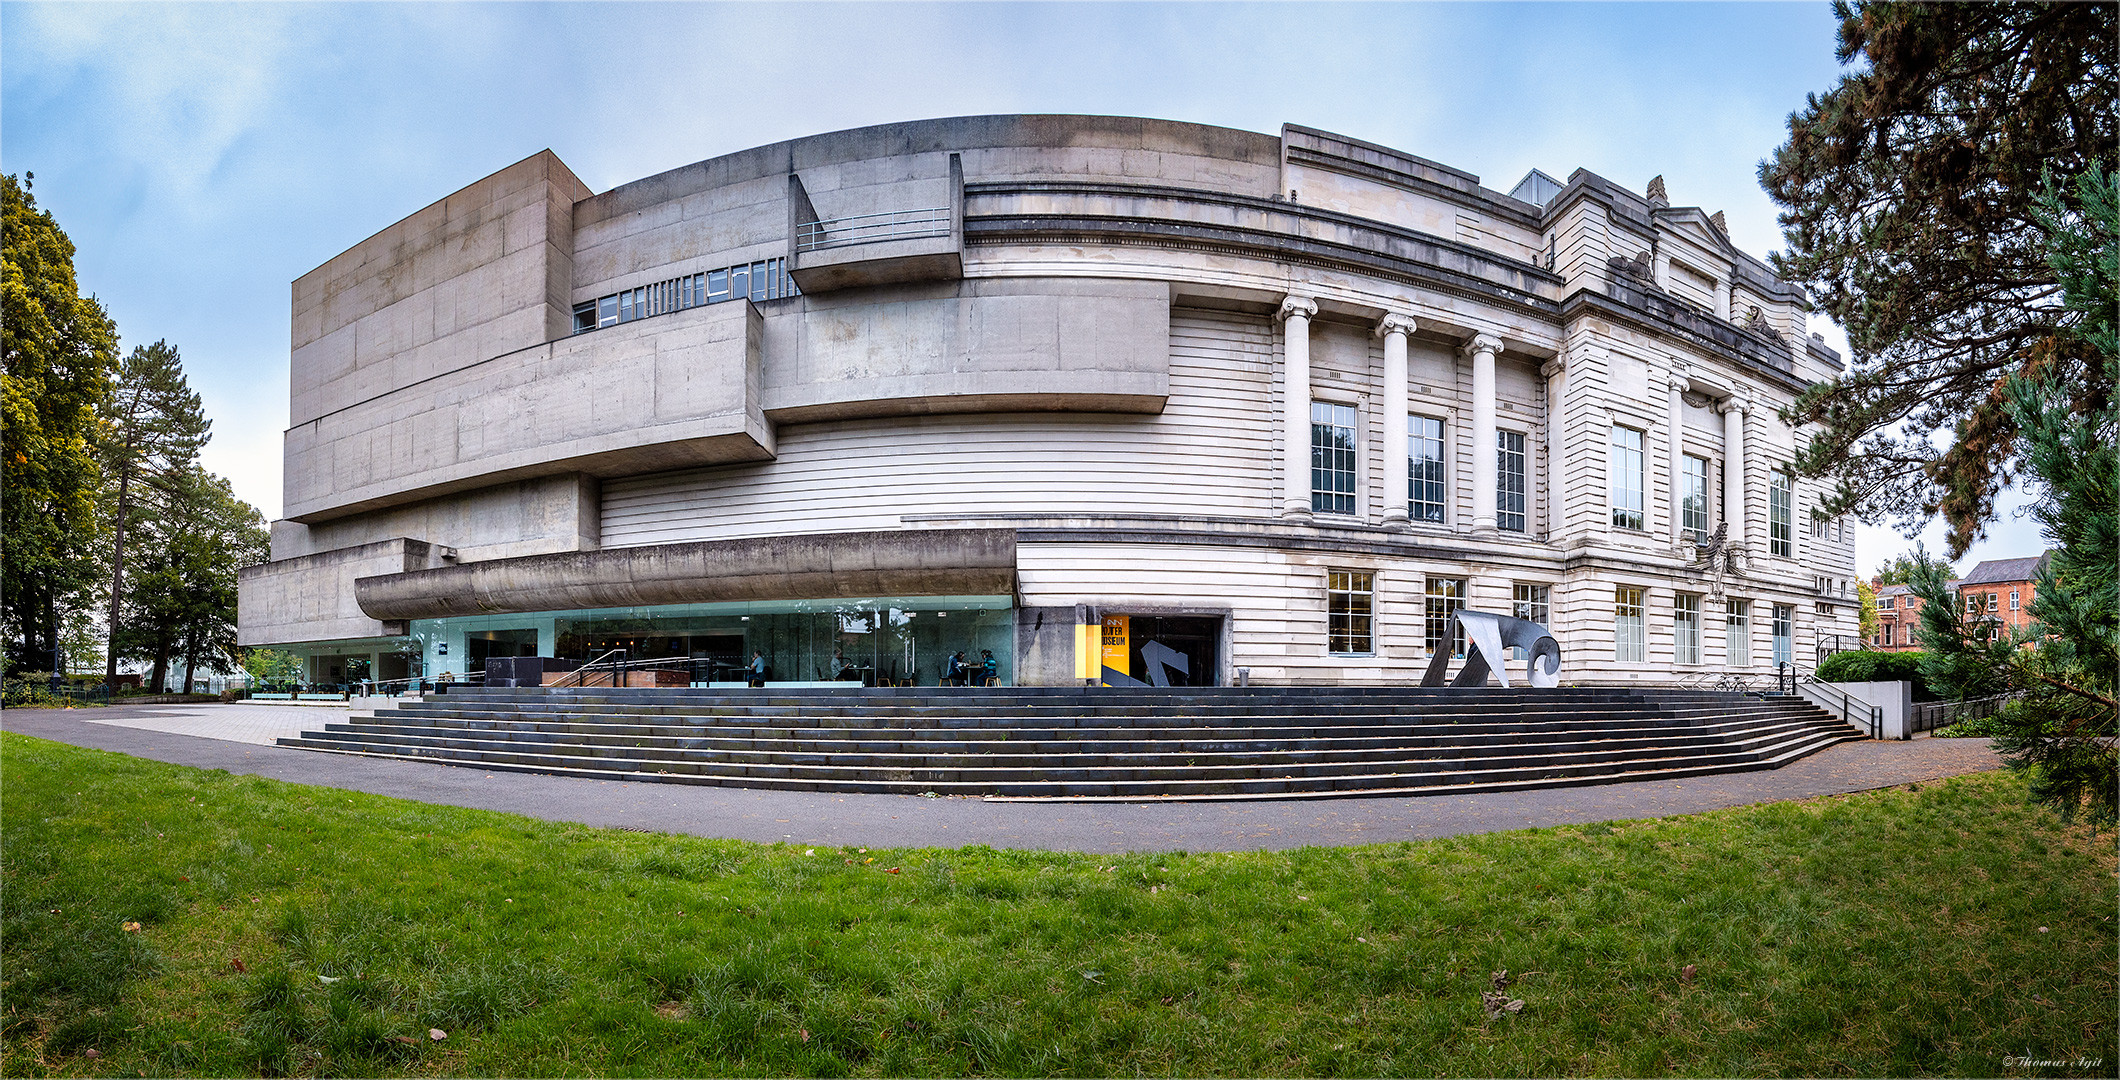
{"type": "Point", "coordinates": [1097, 396]}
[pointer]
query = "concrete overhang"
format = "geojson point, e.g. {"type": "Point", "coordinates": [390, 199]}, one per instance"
{"type": "Point", "coordinates": [816, 566]}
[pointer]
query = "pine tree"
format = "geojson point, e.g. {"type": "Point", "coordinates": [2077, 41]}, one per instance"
{"type": "Point", "coordinates": [1908, 204]}
{"type": "Point", "coordinates": [156, 428]}
{"type": "Point", "coordinates": [2063, 725]}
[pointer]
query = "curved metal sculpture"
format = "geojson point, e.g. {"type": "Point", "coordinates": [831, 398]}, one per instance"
{"type": "Point", "coordinates": [1486, 636]}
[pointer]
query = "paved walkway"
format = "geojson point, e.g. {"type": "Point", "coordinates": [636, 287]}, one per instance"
{"type": "Point", "coordinates": [238, 738]}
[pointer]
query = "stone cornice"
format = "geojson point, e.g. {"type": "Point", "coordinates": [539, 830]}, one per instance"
{"type": "Point", "coordinates": [1734, 347]}
{"type": "Point", "coordinates": [1367, 247]}
{"type": "Point", "coordinates": [1513, 210]}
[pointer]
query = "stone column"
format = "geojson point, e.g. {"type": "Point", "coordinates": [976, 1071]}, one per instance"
{"type": "Point", "coordinates": [1733, 410]}
{"type": "Point", "coordinates": [1554, 371]}
{"type": "Point", "coordinates": [1676, 422]}
{"type": "Point", "coordinates": [1662, 271]}
{"type": "Point", "coordinates": [1295, 316]}
{"type": "Point", "coordinates": [1395, 329]}
{"type": "Point", "coordinates": [1482, 349]}
{"type": "Point", "coordinates": [1722, 299]}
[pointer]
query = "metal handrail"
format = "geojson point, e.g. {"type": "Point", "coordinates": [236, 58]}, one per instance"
{"type": "Point", "coordinates": [581, 672]}
{"type": "Point", "coordinates": [1932, 715]}
{"type": "Point", "coordinates": [872, 228]}
{"type": "Point", "coordinates": [1871, 716]}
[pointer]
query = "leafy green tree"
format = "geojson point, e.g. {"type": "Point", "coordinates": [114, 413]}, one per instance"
{"type": "Point", "coordinates": [1908, 194]}
{"type": "Point", "coordinates": [1866, 622]}
{"type": "Point", "coordinates": [156, 426]}
{"type": "Point", "coordinates": [270, 667]}
{"type": "Point", "coordinates": [2062, 729]}
{"type": "Point", "coordinates": [1900, 570]}
{"type": "Point", "coordinates": [58, 350]}
{"type": "Point", "coordinates": [182, 608]}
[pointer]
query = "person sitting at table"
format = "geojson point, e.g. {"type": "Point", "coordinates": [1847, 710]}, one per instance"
{"type": "Point", "coordinates": [758, 669]}
{"type": "Point", "coordinates": [955, 673]}
{"type": "Point", "coordinates": [989, 668]}
{"type": "Point", "coordinates": [843, 668]}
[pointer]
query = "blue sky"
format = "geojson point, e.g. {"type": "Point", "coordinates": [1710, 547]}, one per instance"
{"type": "Point", "coordinates": [202, 157]}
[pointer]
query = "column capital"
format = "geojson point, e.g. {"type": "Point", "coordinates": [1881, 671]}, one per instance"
{"type": "Point", "coordinates": [1395, 323]}
{"type": "Point", "coordinates": [1482, 343]}
{"type": "Point", "coordinates": [1296, 307]}
{"type": "Point", "coordinates": [1680, 381]}
{"type": "Point", "coordinates": [1552, 367]}
{"type": "Point", "coordinates": [1733, 404]}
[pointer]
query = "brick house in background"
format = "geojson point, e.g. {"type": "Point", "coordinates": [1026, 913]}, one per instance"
{"type": "Point", "coordinates": [1898, 613]}
{"type": "Point", "coordinates": [2001, 589]}
{"type": "Point", "coordinates": [1998, 588]}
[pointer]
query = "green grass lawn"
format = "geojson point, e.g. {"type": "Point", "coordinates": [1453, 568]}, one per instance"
{"type": "Point", "coordinates": [1945, 929]}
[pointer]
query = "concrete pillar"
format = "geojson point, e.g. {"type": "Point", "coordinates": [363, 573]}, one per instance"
{"type": "Point", "coordinates": [1722, 298]}
{"type": "Point", "coordinates": [1295, 315]}
{"type": "Point", "coordinates": [1395, 329]}
{"type": "Point", "coordinates": [1662, 271]}
{"type": "Point", "coordinates": [1676, 425]}
{"type": "Point", "coordinates": [1484, 452]}
{"type": "Point", "coordinates": [1733, 410]}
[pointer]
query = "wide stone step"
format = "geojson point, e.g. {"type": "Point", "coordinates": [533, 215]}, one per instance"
{"type": "Point", "coordinates": [902, 756]}
{"type": "Point", "coordinates": [1065, 742]}
{"type": "Point", "coordinates": [1420, 781]}
{"type": "Point", "coordinates": [1197, 741]}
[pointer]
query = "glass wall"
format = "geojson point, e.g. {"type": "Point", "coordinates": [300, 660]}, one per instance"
{"type": "Point", "coordinates": [335, 666]}
{"type": "Point", "coordinates": [876, 642]}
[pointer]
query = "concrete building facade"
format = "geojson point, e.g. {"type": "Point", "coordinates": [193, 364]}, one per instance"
{"type": "Point", "coordinates": [1102, 397]}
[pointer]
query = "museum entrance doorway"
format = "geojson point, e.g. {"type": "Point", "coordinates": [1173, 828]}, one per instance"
{"type": "Point", "coordinates": [1163, 650]}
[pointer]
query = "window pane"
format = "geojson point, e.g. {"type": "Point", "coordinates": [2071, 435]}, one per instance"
{"type": "Point", "coordinates": [1509, 481]}
{"type": "Point", "coordinates": [1349, 596]}
{"type": "Point", "coordinates": [1626, 465]}
{"type": "Point", "coordinates": [1693, 521]}
{"type": "Point", "coordinates": [1331, 458]}
{"type": "Point", "coordinates": [1685, 625]}
{"type": "Point", "coordinates": [585, 316]}
{"type": "Point", "coordinates": [1530, 604]}
{"type": "Point", "coordinates": [607, 310]}
{"type": "Point", "coordinates": [1629, 636]}
{"type": "Point", "coordinates": [1779, 516]}
{"type": "Point", "coordinates": [1445, 597]}
{"type": "Point", "coordinates": [1737, 642]}
{"type": "Point", "coordinates": [1424, 469]}
{"type": "Point", "coordinates": [717, 286]}
{"type": "Point", "coordinates": [1784, 634]}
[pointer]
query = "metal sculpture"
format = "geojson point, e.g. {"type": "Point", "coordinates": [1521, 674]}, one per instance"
{"type": "Point", "coordinates": [1486, 635]}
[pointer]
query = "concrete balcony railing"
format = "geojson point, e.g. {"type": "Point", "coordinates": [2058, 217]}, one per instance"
{"type": "Point", "coordinates": [882, 247]}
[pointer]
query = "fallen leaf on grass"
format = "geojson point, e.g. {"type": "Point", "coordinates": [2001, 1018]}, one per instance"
{"type": "Point", "coordinates": [1499, 979]}
{"type": "Point", "coordinates": [1687, 975]}
{"type": "Point", "coordinates": [805, 1034]}
{"type": "Point", "coordinates": [1497, 1003]}
{"type": "Point", "coordinates": [437, 1034]}
{"type": "Point", "coordinates": [92, 1053]}
{"type": "Point", "coordinates": [406, 1039]}
{"type": "Point", "coordinates": [236, 962]}
{"type": "Point", "coordinates": [892, 870]}
{"type": "Point", "coordinates": [131, 928]}
{"type": "Point", "coordinates": [328, 979]}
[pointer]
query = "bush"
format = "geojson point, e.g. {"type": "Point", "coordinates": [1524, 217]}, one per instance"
{"type": "Point", "coordinates": [1876, 667]}
{"type": "Point", "coordinates": [1984, 727]}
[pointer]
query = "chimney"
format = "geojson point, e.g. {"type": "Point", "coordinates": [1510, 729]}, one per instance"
{"type": "Point", "coordinates": [1657, 196]}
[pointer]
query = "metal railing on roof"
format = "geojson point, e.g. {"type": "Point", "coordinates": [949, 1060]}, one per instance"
{"type": "Point", "coordinates": [872, 228]}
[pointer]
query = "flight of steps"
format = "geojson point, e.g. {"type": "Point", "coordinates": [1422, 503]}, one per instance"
{"type": "Point", "coordinates": [1083, 743]}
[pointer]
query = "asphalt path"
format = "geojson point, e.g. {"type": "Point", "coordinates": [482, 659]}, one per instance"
{"type": "Point", "coordinates": [237, 738]}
